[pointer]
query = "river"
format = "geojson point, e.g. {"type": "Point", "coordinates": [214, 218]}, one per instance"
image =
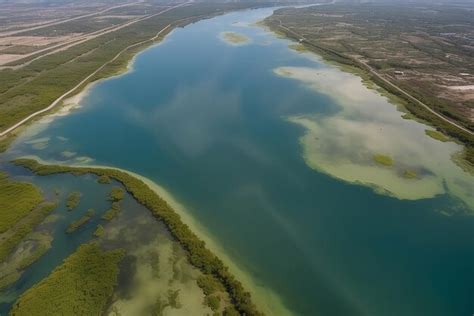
{"type": "Point", "coordinates": [271, 151]}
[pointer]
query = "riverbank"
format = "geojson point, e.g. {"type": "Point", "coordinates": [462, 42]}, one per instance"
{"type": "Point", "coordinates": [416, 107]}
{"type": "Point", "coordinates": [182, 226]}
{"type": "Point", "coordinates": [109, 63]}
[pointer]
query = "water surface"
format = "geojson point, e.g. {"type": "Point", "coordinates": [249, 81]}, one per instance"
{"type": "Point", "coordinates": [212, 123]}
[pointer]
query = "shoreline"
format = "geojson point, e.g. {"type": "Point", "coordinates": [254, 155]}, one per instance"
{"type": "Point", "coordinates": [416, 109]}
{"type": "Point", "coordinates": [266, 300]}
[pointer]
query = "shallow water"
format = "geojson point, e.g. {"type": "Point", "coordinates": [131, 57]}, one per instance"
{"type": "Point", "coordinates": [214, 124]}
{"type": "Point", "coordinates": [158, 264]}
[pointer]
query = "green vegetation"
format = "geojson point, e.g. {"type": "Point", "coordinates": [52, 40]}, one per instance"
{"type": "Point", "coordinates": [209, 284]}
{"type": "Point", "coordinates": [112, 212]}
{"type": "Point", "coordinates": [197, 252]}
{"type": "Point", "coordinates": [173, 298]}
{"type": "Point", "coordinates": [235, 38]}
{"type": "Point", "coordinates": [383, 160]}
{"type": "Point", "coordinates": [9, 279]}
{"type": "Point", "coordinates": [81, 285]}
{"type": "Point", "coordinates": [230, 311]}
{"type": "Point", "coordinates": [36, 85]}
{"type": "Point", "coordinates": [73, 199]}
{"type": "Point", "coordinates": [117, 194]}
{"type": "Point", "coordinates": [100, 231]}
{"type": "Point", "coordinates": [159, 306]}
{"type": "Point", "coordinates": [81, 221]}
{"type": "Point", "coordinates": [17, 199]}
{"type": "Point", "coordinates": [298, 47]}
{"type": "Point", "coordinates": [103, 180]}
{"type": "Point", "coordinates": [15, 235]}
{"type": "Point", "coordinates": [436, 135]}
{"type": "Point", "coordinates": [210, 287]}
{"type": "Point", "coordinates": [44, 244]}
{"type": "Point", "coordinates": [33, 247]}
{"type": "Point", "coordinates": [214, 302]}
{"type": "Point", "coordinates": [410, 174]}
{"type": "Point", "coordinates": [393, 41]}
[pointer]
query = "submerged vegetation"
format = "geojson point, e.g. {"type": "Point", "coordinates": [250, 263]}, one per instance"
{"type": "Point", "coordinates": [73, 199]}
{"type": "Point", "coordinates": [17, 199]}
{"type": "Point", "coordinates": [410, 174]}
{"type": "Point", "coordinates": [81, 285]}
{"type": "Point", "coordinates": [383, 160]}
{"type": "Point", "coordinates": [340, 50]}
{"type": "Point", "coordinates": [235, 38]}
{"type": "Point", "coordinates": [197, 252]}
{"type": "Point", "coordinates": [15, 234]}
{"type": "Point", "coordinates": [81, 221]}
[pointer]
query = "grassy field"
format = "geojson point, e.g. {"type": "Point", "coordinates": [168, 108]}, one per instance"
{"type": "Point", "coordinates": [81, 285]}
{"type": "Point", "coordinates": [197, 252]}
{"type": "Point", "coordinates": [17, 199]}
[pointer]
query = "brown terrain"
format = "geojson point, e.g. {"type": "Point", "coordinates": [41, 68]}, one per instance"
{"type": "Point", "coordinates": [426, 50]}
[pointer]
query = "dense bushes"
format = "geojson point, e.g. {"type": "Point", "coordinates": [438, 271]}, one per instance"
{"type": "Point", "coordinates": [81, 285]}
{"type": "Point", "coordinates": [196, 250]}
{"type": "Point", "coordinates": [17, 199]}
{"type": "Point", "coordinates": [112, 212]}
{"type": "Point", "coordinates": [72, 200]}
{"type": "Point", "coordinates": [81, 221]}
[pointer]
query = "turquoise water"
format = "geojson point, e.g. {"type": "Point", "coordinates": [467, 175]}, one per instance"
{"type": "Point", "coordinates": [205, 119]}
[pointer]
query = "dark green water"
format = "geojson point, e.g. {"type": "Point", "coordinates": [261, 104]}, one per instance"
{"type": "Point", "coordinates": [205, 120]}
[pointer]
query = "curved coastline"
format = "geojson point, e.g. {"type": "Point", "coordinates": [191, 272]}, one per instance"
{"type": "Point", "coordinates": [265, 299]}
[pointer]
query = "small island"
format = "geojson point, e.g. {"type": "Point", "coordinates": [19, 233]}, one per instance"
{"type": "Point", "coordinates": [234, 38]}
{"type": "Point", "coordinates": [383, 160]}
{"type": "Point", "coordinates": [81, 221]}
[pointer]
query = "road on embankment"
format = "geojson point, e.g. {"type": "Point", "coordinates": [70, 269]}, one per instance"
{"type": "Point", "coordinates": [372, 71]}
{"type": "Point", "coordinates": [85, 80]}
{"type": "Point", "coordinates": [11, 33]}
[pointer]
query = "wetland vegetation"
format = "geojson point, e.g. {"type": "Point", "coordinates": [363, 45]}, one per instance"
{"type": "Point", "coordinates": [383, 160]}
{"type": "Point", "coordinates": [112, 212]}
{"type": "Point", "coordinates": [235, 38]}
{"type": "Point", "coordinates": [82, 285]}
{"type": "Point", "coordinates": [81, 221]}
{"type": "Point", "coordinates": [73, 200]}
{"type": "Point", "coordinates": [198, 254]}
{"type": "Point", "coordinates": [418, 54]}
{"type": "Point", "coordinates": [17, 199]}
{"type": "Point", "coordinates": [243, 163]}
{"type": "Point", "coordinates": [436, 135]}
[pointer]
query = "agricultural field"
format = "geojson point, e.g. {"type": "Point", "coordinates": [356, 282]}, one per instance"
{"type": "Point", "coordinates": [40, 80]}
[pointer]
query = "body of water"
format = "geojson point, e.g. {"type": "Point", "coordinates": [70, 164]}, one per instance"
{"type": "Point", "coordinates": [250, 137]}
